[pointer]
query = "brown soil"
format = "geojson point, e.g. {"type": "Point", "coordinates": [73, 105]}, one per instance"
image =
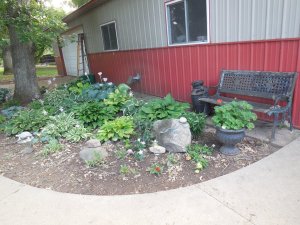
{"type": "Point", "coordinates": [66, 172]}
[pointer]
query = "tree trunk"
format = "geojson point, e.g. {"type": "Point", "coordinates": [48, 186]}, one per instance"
{"type": "Point", "coordinates": [7, 61]}
{"type": "Point", "coordinates": [26, 86]}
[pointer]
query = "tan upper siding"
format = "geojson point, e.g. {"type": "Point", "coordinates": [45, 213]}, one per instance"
{"type": "Point", "coordinates": [243, 20]}
{"type": "Point", "coordinates": [141, 23]}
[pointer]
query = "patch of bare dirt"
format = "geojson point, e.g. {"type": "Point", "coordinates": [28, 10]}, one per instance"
{"type": "Point", "coordinates": [66, 172]}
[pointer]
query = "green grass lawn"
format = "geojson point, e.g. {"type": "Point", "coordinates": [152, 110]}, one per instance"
{"type": "Point", "coordinates": [41, 71]}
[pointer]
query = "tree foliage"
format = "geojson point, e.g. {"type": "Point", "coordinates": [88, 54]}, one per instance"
{"type": "Point", "coordinates": [33, 22]}
{"type": "Point", "coordinates": [79, 3]}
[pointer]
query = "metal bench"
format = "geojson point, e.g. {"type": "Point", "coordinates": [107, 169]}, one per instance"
{"type": "Point", "coordinates": [276, 86]}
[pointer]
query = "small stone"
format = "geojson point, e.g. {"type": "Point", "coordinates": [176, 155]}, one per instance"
{"type": "Point", "coordinates": [130, 152]}
{"type": "Point", "coordinates": [88, 154]}
{"type": "Point", "coordinates": [93, 143]}
{"type": "Point", "coordinates": [182, 120]}
{"type": "Point", "coordinates": [157, 149]}
{"type": "Point", "coordinates": [27, 150]}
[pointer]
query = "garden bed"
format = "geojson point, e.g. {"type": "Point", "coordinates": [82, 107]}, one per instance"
{"type": "Point", "coordinates": [64, 171]}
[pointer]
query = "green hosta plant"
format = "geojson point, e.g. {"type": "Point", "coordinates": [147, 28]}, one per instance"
{"type": "Point", "coordinates": [196, 122]}
{"type": "Point", "coordinates": [132, 106]}
{"type": "Point", "coordinates": [234, 116]}
{"type": "Point", "coordinates": [118, 129]}
{"type": "Point", "coordinates": [159, 109]}
{"type": "Point", "coordinates": [94, 114]}
{"type": "Point", "coordinates": [119, 97]}
{"type": "Point", "coordinates": [26, 120]}
{"type": "Point", "coordinates": [78, 87]}
{"type": "Point", "coordinates": [99, 91]}
{"type": "Point", "coordinates": [65, 126]}
{"type": "Point", "coordinates": [59, 100]}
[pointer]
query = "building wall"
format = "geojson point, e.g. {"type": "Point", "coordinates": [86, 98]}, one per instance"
{"type": "Point", "coordinates": [172, 70]}
{"type": "Point", "coordinates": [142, 24]}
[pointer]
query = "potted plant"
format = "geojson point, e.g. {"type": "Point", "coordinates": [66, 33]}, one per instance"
{"type": "Point", "coordinates": [231, 120]}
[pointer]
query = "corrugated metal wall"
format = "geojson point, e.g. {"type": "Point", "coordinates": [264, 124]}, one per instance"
{"type": "Point", "coordinates": [243, 20]}
{"type": "Point", "coordinates": [171, 70]}
{"type": "Point", "coordinates": [142, 24]}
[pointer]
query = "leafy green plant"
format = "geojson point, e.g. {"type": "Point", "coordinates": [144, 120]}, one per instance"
{"type": "Point", "coordinates": [26, 120]}
{"type": "Point", "coordinates": [94, 114]}
{"type": "Point", "coordinates": [119, 97]}
{"type": "Point", "coordinates": [10, 103]}
{"type": "Point", "coordinates": [96, 161]}
{"type": "Point", "coordinates": [132, 106]}
{"type": "Point", "coordinates": [126, 170]}
{"type": "Point", "coordinates": [121, 154]}
{"type": "Point", "coordinates": [36, 104]}
{"type": "Point", "coordinates": [171, 160]}
{"type": "Point", "coordinates": [118, 129]}
{"type": "Point", "coordinates": [65, 126]}
{"type": "Point", "coordinates": [99, 91]}
{"type": "Point", "coordinates": [78, 87]}
{"type": "Point", "coordinates": [159, 109]}
{"type": "Point", "coordinates": [143, 127]}
{"type": "Point", "coordinates": [59, 100]}
{"type": "Point", "coordinates": [234, 116]}
{"type": "Point", "coordinates": [195, 151]}
{"type": "Point", "coordinates": [52, 147]}
{"type": "Point", "coordinates": [155, 169]}
{"type": "Point", "coordinates": [3, 94]}
{"type": "Point", "coordinates": [2, 119]}
{"type": "Point", "coordinates": [196, 122]}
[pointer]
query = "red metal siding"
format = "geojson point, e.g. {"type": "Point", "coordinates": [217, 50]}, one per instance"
{"type": "Point", "coordinates": [172, 69]}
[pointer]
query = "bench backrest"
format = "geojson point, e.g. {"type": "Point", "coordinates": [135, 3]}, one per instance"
{"type": "Point", "coordinates": [256, 83]}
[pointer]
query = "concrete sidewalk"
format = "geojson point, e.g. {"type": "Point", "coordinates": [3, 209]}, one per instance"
{"type": "Point", "coordinates": [265, 193]}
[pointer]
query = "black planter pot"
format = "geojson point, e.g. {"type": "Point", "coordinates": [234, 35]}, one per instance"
{"type": "Point", "coordinates": [229, 138]}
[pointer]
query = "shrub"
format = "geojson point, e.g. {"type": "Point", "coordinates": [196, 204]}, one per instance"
{"type": "Point", "coordinates": [94, 114]}
{"type": "Point", "coordinates": [196, 122]}
{"type": "Point", "coordinates": [234, 116]}
{"type": "Point", "coordinates": [26, 120]}
{"type": "Point", "coordinates": [99, 91]}
{"type": "Point", "coordinates": [118, 129]}
{"type": "Point", "coordinates": [159, 109]}
{"type": "Point", "coordinates": [119, 97]}
{"type": "Point", "coordinates": [3, 94]}
{"type": "Point", "coordinates": [65, 126]}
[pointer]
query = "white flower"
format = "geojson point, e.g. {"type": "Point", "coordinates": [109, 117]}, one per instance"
{"type": "Point", "coordinates": [61, 109]}
{"type": "Point", "coordinates": [224, 127]}
{"type": "Point", "coordinates": [65, 86]}
{"type": "Point", "coordinates": [49, 82]}
{"type": "Point", "coordinates": [139, 140]}
{"type": "Point", "coordinates": [110, 83]}
{"type": "Point", "coordinates": [45, 113]}
{"type": "Point", "coordinates": [131, 94]}
{"type": "Point", "coordinates": [100, 85]}
{"type": "Point", "coordinates": [86, 73]}
{"type": "Point", "coordinates": [54, 78]}
{"type": "Point", "coordinates": [143, 143]}
{"type": "Point", "coordinates": [77, 126]}
{"type": "Point", "coordinates": [104, 79]}
{"type": "Point", "coordinates": [141, 152]}
{"type": "Point", "coordinates": [100, 74]}
{"type": "Point", "coordinates": [213, 145]}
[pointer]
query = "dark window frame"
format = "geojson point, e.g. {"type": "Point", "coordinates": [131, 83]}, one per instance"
{"type": "Point", "coordinates": [107, 25]}
{"type": "Point", "coordinates": [169, 27]}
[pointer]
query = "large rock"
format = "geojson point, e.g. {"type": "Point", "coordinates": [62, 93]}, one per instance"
{"type": "Point", "coordinates": [88, 154]}
{"type": "Point", "coordinates": [172, 134]}
{"type": "Point", "coordinates": [93, 143]}
{"type": "Point", "coordinates": [157, 149]}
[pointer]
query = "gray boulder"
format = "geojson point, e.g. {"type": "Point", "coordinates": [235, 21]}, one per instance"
{"type": "Point", "coordinates": [93, 143]}
{"type": "Point", "coordinates": [157, 149]}
{"type": "Point", "coordinates": [172, 134]}
{"type": "Point", "coordinates": [88, 154]}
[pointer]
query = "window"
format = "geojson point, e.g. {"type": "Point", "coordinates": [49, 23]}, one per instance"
{"type": "Point", "coordinates": [109, 35]}
{"type": "Point", "coordinates": [187, 21]}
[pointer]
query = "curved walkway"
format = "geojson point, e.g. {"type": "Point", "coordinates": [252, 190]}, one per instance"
{"type": "Point", "coordinates": [265, 193]}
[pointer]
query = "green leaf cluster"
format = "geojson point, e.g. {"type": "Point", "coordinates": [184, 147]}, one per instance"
{"type": "Point", "coordinates": [26, 120]}
{"type": "Point", "coordinates": [234, 116]}
{"type": "Point", "coordinates": [99, 91]}
{"type": "Point", "coordinates": [65, 126]}
{"type": "Point", "coordinates": [78, 87]}
{"type": "Point", "coordinates": [119, 97]}
{"type": "Point", "coordinates": [52, 147]}
{"type": "Point", "coordinates": [119, 129]}
{"type": "Point", "coordinates": [196, 122]}
{"type": "Point", "coordinates": [94, 114]}
{"type": "Point", "coordinates": [159, 109]}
